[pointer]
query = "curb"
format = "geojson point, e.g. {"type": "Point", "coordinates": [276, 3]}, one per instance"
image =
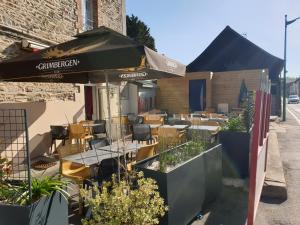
{"type": "Point", "coordinates": [275, 184]}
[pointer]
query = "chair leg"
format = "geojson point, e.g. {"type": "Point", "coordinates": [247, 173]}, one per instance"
{"type": "Point", "coordinates": [51, 144]}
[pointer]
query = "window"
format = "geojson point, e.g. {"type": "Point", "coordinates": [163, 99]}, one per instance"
{"type": "Point", "coordinates": [87, 14]}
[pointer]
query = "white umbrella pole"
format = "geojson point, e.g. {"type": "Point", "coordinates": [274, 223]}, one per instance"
{"type": "Point", "coordinates": [109, 123]}
{"type": "Point", "coordinates": [122, 135]}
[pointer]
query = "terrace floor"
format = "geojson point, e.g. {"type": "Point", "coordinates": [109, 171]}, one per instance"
{"type": "Point", "coordinates": [229, 209]}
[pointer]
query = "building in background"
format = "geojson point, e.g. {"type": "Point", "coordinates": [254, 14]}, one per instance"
{"type": "Point", "coordinates": [206, 91]}
{"type": "Point", "coordinates": [293, 87]}
{"type": "Point", "coordinates": [231, 52]}
{"type": "Point", "coordinates": [27, 26]}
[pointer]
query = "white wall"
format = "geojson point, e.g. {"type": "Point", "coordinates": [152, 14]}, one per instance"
{"type": "Point", "coordinates": [43, 114]}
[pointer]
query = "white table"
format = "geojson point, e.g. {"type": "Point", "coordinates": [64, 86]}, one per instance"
{"type": "Point", "coordinates": [154, 126]}
{"type": "Point", "coordinates": [119, 147]}
{"type": "Point", "coordinates": [91, 124]}
{"type": "Point", "coordinates": [204, 127]}
{"type": "Point", "coordinates": [178, 127]}
{"type": "Point", "coordinates": [92, 157]}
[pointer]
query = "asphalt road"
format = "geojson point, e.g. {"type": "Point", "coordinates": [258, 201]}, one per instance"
{"type": "Point", "coordinates": [270, 211]}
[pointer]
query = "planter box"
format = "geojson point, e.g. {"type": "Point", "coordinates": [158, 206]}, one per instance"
{"type": "Point", "coordinates": [213, 174]}
{"type": "Point", "coordinates": [184, 187]}
{"type": "Point", "coordinates": [236, 150]}
{"type": "Point", "coordinates": [50, 210]}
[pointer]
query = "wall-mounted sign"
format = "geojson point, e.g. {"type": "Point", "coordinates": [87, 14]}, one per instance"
{"type": "Point", "coordinates": [136, 75]}
{"type": "Point", "coordinates": [59, 64]}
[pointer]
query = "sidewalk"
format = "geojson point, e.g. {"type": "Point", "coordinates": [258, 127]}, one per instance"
{"type": "Point", "coordinates": [272, 211]}
{"type": "Point", "coordinates": [275, 184]}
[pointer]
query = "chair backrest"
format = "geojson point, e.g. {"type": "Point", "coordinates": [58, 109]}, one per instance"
{"type": "Point", "coordinates": [141, 132]}
{"type": "Point", "coordinates": [106, 168]}
{"type": "Point", "coordinates": [58, 132]}
{"type": "Point", "coordinates": [209, 123]}
{"type": "Point", "coordinates": [196, 121]}
{"type": "Point", "coordinates": [146, 151]}
{"type": "Point", "coordinates": [169, 132]}
{"type": "Point", "coordinates": [131, 117]}
{"type": "Point", "coordinates": [87, 121]}
{"type": "Point", "coordinates": [216, 115]}
{"type": "Point", "coordinates": [99, 127]}
{"type": "Point", "coordinates": [77, 131]}
{"type": "Point", "coordinates": [98, 143]}
{"type": "Point", "coordinates": [154, 119]}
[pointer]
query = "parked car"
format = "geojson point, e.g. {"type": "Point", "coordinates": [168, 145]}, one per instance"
{"type": "Point", "coordinates": [293, 99]}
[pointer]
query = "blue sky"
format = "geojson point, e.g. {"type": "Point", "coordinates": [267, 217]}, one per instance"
{"type": "Point", "coordinates": [184, 28]}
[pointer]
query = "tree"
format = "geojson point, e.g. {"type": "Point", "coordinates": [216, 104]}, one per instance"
{"type": "Point", "coordinates": [139, 31]}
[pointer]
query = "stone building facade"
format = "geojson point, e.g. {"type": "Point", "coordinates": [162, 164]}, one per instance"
{"type": "Point", "coordinates": [48, 22]}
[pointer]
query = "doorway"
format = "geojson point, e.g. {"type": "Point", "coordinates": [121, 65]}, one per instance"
{"type": "Point", "coordinates": [197, 95]}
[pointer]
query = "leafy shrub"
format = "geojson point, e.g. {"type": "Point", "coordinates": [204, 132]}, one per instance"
{"type": "Point", "coordinates": [121, 203]}
{"type": "Point", "coordinates": [234, 124]}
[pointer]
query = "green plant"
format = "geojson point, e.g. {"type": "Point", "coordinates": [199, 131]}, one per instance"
{"type": "Point", "coordinates": [8, 193]}
{"type": "Point", "coordinates": [180, 154]}
{"type": "Point", "coordinates": [5, 168]}
{"type": "Point", "coordinates": [248, 112]}
{"type": "Point", "coordinates": [40, 188]}
{"type": "Point", "coordinates": [19, 194]}
{"type": "Point", "coordinates": [122, 203]}
{"type": "Point", "coordinates": [234, 124]}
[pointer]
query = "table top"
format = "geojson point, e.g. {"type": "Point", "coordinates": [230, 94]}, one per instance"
{"type": "Point", "coordinates": [63, 125]}
{"type": "Point", "coordinates": [92, 157]}
{"type": "Point", "coordinates": [153, 126]}
{"type": "Point", "coordinates": [179, 127]}
{"type": "Point", "coordinates": [119, 147]}
{"type": "Point", "coordinates": [91, 124]}
{"type": "Point", "coordinates": [204, 127]}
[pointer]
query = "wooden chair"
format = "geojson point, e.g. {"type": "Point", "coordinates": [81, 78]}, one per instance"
{"type": "Point", "coordinates": [196, 121]}
{"type": "Point", "coordinates": [170, 137]}
{"type": "Point", "coordinates": [209, 123]}
{"type": "Point", "coordinates": [154, 119]}
{"type": "Point", "coordinates": [144, 152]}
{"type": "Point", "coordinates": [216, 115]}
{"type": "Point", "coordinates": [74, 171]}
{"type": "Point", "coordinates": [79, 133]}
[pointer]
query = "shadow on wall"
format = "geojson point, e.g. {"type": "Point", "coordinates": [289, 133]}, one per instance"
{"type": "Point", "coordinates": [40, 144]}
{"type": "Point", "coordinates": [34, 111]}
{"type": "Point", "coordinates": [77, 115]}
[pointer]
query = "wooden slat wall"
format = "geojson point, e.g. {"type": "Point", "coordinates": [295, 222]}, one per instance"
{"type": "Point", "coordinates": [173, 93]}
{"type": "Point", "coordinates": [222, 87]}
{"type": "Point", "coordinates": [226, 85]}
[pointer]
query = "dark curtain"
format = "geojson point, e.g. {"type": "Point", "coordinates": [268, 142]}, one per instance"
{"type": "Point", "coordinates": [88, 97]}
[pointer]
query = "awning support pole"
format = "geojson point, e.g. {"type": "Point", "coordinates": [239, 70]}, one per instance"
{"type": "Point", "coordinates": [109, 123]}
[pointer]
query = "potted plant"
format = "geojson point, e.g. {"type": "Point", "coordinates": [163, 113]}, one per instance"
{"type": "Point", "coordinates": [181, 176]}
{"type": "Point", "coordinates": [235, 136]}
{"type": "Point", "coordinates": [48, 205]}
{"type": "Point", "coordinates": [125, 202]}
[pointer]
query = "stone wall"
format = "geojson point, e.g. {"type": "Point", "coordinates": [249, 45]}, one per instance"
{"type": "Point", "coordinates": [54, 20]}
{"type": "Point", "coordinates": [110, 14]}
{"type": "Point", "coordinates": [47, 22]}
